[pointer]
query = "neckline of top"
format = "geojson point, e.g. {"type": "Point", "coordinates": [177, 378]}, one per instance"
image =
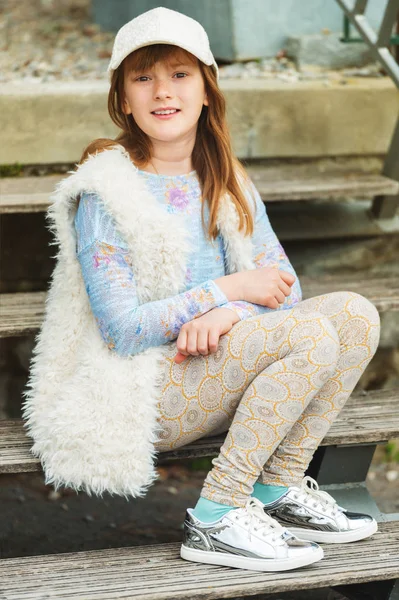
{"type": "Point", "coordinates": [160, 176]}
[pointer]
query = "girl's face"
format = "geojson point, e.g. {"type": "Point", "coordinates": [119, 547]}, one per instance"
{"type": "Point", "coordinates": [176, 85]}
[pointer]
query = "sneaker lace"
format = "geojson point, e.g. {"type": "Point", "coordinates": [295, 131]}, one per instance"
{"type": "Point", "coordinates": [259, 521]}
{"type": "Point", "coordinates": [313, 494]}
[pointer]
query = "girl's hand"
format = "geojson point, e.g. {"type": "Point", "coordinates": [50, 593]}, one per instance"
{"type": "Point", "coordinates": [267, 286]}
{"type": "Point", "coordinates": [201, 335]}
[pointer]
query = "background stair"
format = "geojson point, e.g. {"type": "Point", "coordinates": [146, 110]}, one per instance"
{"type": "Point", "coordinates": [368, 417]}
{"type": "Point", "coordinates": [31, 194]}
{"type": "Point", "coordinates": [300, 207]}
{"type": "Point", "coordinates": [23, 312]}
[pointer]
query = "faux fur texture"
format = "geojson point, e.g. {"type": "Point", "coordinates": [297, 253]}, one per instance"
{"type": "Point", "coordinates": [91, 413]}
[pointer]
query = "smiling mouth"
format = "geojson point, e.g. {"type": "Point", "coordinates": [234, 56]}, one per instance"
{"type": "Point", "coordinates": [164, 113]}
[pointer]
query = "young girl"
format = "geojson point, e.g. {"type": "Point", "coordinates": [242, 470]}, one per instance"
{"type": "Point", "coordinates": [187, 268]}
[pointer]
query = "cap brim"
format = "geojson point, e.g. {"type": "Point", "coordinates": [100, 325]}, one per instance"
{"type": "Point", "coordinates": [110, 69]}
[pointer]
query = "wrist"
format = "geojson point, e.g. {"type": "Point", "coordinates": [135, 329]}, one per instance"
{"type": "Point", "coordinates": [238, 286]}
{"type": "Point", "coordinates": [232, 314]}
{"type": "Point", "coordinates": [231, 286]}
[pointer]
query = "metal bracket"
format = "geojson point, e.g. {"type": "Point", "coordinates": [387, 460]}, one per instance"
{"type": "Point", "coordinates": [341, 464]}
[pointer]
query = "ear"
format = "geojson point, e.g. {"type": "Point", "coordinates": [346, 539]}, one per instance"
{"type": "Point", "coordinates": [125, 107]}
{"type": "Point", "coordinates": [206, 101]}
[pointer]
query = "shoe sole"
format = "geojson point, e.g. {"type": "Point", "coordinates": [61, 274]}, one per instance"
{"type": "Point", "coordinates": [253, 564]}
{"type": "Point", "coordinates": [338, 537]}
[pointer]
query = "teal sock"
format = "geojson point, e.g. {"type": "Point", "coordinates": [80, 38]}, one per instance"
{"type": "Point", "coordinates": [268, 493]}
{"type": "Point", "coordinates": [207, 511]}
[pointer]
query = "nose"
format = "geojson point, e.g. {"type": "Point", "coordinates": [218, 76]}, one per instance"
{"type": "Point", "coordinates": [161, 90]}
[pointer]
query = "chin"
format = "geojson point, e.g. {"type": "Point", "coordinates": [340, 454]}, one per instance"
{"type": "Point", "coordinates": [164, 137]}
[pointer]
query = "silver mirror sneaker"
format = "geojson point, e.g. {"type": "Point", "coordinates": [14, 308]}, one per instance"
{"type": "Point", "coordinates": [314, 515]}
{"type": "Point", "coordinates": [246, 538]}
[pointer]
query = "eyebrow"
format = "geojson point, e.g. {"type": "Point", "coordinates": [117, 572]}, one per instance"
{"type": "Point", "coordinates": [176, 63]}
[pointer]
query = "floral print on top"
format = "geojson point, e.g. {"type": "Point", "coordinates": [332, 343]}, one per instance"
{"type": "Point", "coordinates": [128, 327]}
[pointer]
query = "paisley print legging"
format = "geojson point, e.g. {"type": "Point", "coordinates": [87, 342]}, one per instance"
{"type": "Point", "coordinates": [275, 384]}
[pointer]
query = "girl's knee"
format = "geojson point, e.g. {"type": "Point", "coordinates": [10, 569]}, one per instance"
{"type": "Point", "coordinates": [363, 326]}
{"type": "Point", "coordinates": [358, 306]}
{"type": "Point", "coordinates": [354, 317]}
{"type": "Point", "coordinates": [362, 307]}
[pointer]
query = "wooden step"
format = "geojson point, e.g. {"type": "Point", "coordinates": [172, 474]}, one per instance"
{"type": "Point", "coordinates": [31, 194]}
{"type": "Point", "coordinates": [369, 417]}
{"type": "Point", "coordinates": [27, 194]}
{"type": "Point", "coordinates": [322, 186]}
{"type": "Point", "coordinates": [22, 313]}
{"type": "Point", "coordinates": [156, 572]}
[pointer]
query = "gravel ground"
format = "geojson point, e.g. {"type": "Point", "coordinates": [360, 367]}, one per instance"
{"type": "Point", "coordinates": [51, 40]}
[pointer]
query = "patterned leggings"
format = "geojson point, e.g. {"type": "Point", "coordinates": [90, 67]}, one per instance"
{"type": "Point", "coordinates": [275, 384]}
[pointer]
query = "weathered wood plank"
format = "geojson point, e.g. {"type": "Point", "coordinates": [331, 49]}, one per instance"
{"type": "Point", "coordinates": [326, 186]}
{"type": "Point", "coordinates": [31, 194]}
{"type": "Point", "coordinates": [27, 194]}
{"type": "Point", "coordinates": [157, 572]}
{"type": "Point", "coordinates": [382, 292]}
{"type": "Point", "coordinates": [368, 417]}
{"type": "Point", "coordinates": [24, 203]}
{"type": "Point", "coordinates": [23, 313]}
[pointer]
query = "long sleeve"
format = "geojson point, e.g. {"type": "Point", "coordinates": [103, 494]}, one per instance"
{"type": "Point", "coordinates": [126, 326]}
{"type": "Point", "coordinates": [267, 252]}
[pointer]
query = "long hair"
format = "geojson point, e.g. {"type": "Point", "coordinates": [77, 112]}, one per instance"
{"type": "Point", "coordinates": [218, 169]}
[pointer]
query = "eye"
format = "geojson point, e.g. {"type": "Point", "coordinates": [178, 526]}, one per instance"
{"type": "Point", "coordinates": [141, 78]}
{"type": "Point", "coordinates": [180, 73]}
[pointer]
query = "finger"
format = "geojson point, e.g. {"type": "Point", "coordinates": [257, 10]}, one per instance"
{"type": "Point", "coordinates": [179, 358]}
{"type": "Point", "coordinates": [181, 343]}
{"type": "Point", "coordinates": [280, 297]}
{"type": "Point", "coordinates": [285, 288]}
{"type": "Point", "coordinates": [272, 303]}
{"type": "Point", "coordinates": [202, 341]}
{"type": "Point", "coordinates": [192, 340]}
{"type": "Point", "coordinates": [287, 277]}
{"type": "Point", "coordinates": [213, 340]}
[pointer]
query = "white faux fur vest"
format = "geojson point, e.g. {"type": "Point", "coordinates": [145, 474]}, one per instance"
{"type": "Point", "coordinates": [91, 413]}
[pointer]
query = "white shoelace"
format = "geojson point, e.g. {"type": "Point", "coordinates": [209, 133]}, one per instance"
{"type": "Point", "coordinates": [259, 521]}
{"type": "Point", "coordinates": [315, 496]}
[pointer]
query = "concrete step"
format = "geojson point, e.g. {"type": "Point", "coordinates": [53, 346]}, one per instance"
{"type": "Point", "coordinates": [156, 572]}
{"type": "Point", "coordinates": [266, 118]}
{"type": "Point", "coordinates": [22, 313]}
{"type": "Point", "coordinates": [367, 418]}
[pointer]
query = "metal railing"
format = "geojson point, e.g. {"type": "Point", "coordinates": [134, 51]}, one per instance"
{"type": "Point", "coordinates": [379, 44]}
{"type": "Point", "coordinates": [394, 41]}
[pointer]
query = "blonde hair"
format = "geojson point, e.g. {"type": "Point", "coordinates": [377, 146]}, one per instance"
{"type": "Point", "coordinates": [217, 168]}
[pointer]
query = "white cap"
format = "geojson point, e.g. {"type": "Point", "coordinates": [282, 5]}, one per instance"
{"type": "Point", "coordinates": [162, 26]}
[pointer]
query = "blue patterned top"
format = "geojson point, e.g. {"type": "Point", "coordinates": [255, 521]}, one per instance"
{"type": "Point", "coordinates": [128, 327]}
